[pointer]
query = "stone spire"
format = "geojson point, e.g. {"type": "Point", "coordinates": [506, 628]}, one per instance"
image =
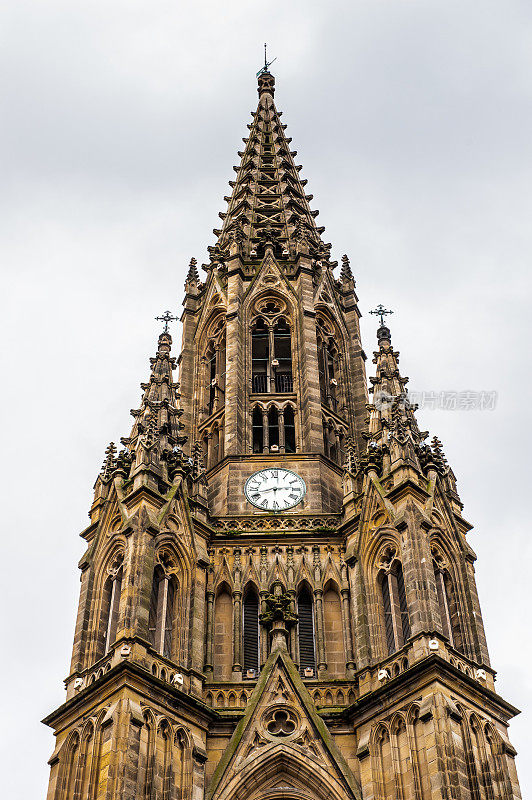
{"type": "Point", "coordinates": [268, 204]}
{"type": "Point", "coordinates": [157, 427]}
{"type": "Point", "coordinates": [393, 428]}
{"type": "Point", "coordinates": [346, 274]}
{"type": "Point", "coordinates": [192, 281]}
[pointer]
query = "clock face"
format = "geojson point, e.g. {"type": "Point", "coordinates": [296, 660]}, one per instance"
{"type": "Point", "coordinates": [275, 489]}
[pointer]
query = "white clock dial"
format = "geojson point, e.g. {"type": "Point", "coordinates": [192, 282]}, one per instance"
{"type": "Point", "coordinates": [275, 489]}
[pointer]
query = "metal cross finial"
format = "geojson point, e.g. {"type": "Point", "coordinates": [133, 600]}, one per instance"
{"type": "Point", "coordinates": [381, 312]}
{"type": "Point", "coordinates": [267, 63]}
{"type": "Point", "coordinates": [166, 318]}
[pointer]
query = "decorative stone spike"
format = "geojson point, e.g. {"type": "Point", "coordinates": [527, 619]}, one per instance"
{"type": "Point", "coordinates": [345, 274]}
{"type": "Point", "coordinates": [198, 462]}
{"type": "Point", "coordinates": [109, 463]}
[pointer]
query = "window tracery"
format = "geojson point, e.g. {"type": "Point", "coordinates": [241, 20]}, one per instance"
{"type": "Point", "coordinates": [271, 354]}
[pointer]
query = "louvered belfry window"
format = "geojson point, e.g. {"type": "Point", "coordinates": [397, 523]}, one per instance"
{"type": "Point", "coordinates": [251, 631]}
{"type": "Point", "coordinates": [307, 652]}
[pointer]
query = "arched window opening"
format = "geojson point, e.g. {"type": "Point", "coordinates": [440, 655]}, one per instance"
{"type": "Point", "coordinates": [282, 357]}
{"type": "Point", "coordinates": [215, 372]}
{"type": "Point", "coordinates": [223, 635]}
{"type": "Point", "coordinates": [396, 619]}
{"type": "Point", "coordinates": [333, 632]}
{"type": "Point", "coordinates": [162, 612]}
{"type": "Point", "coordinates": [289, 430]}
{"type": "Point", "coordinates": [111, 607]}
{"type": "Point", "coordinates": [250, 633]}
{"type": "Point", "coordinates": [257, 431]}
{"type": "Point", "coordinates": [273, 429]}
{"type": "Point", "coordinates": [328, 368]}
{"type": "Point", "coordinates": [307, 650]}
{"type": "Point", "coordinates": [260, 357]}
{"type": "Point", "coordinates": [447, 603]}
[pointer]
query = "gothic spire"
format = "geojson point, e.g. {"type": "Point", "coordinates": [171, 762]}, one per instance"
{"type": "Point", "coordinates": [268, 204]}
{"type": "Point", "coordinates": [393, 426]}
{"type": "Point", "coordinates": [157, 422]}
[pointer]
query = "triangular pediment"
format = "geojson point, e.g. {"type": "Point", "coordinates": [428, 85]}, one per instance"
{"type": "Point", "coordinates": [282, 742]}
{"type": "Point", "coordinates": [268, 278]}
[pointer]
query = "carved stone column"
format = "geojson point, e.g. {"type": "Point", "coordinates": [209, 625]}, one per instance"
{"type": "Point", "coordinates": [265, 432]}
{"type": "Point", "coordinates": [281, 431]}
{"type": "Point", "coordinates": [348, 636]}
{"type": "Point", "coordinates": [237, 630]}
{"type": "Point", "coordinates": [318, 608]}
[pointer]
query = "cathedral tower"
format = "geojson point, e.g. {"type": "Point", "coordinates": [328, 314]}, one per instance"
{"type": "Point", "coordinates": [277, 596]}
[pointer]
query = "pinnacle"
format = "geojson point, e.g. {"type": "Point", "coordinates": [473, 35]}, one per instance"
{"type": "Point", "coordinates": [193, 274]}
{"type": "Point", "coordinates": [345, 274]}
{"type": "Point", "coordinates": [109, 463]}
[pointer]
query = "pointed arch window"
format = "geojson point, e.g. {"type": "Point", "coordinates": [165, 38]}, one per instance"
{"type": "Point", "coordinates": [260, 356]}
{"type": "Point", "coordinates": [112, 591]}
{"type": "Point", "coordinates": [282, 357]}
{"type": "Point", "coordinates": [215, 372]}
{"type": "Point", "coordinates": [271, 356]}
{"type": "Point", "coordinates": [396, 619]}
{"type": "Point", "coordinates": [250, 631]}
{"type": "Point", "coordinates": [328, 366]}
{"type": "Point", "coordinates": [162, 612]}
{"type": "Point", "coordinates": [305, 627]}
{"type": "Point", "coordinates": [446, 601]}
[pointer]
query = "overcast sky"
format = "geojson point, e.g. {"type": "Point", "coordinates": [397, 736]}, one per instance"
{"type": "Point", "coordinates": [121, 122]}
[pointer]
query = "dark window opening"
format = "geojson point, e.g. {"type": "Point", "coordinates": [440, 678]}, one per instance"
{"type": "Point", "coordinates": [273, 428]}
{"type": "Point", "coordinates": [289, 430]}
{"type": "Point", "coordinates": [307, 654]}
{"type": "Point", "coordinates": [282, 347]}
{"type": "Point", "coordinates": [257, 431]}
{"type": "Point", "coordinates": [260, 354]}
{"type": "Point", "coordinates": [251, 631]}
